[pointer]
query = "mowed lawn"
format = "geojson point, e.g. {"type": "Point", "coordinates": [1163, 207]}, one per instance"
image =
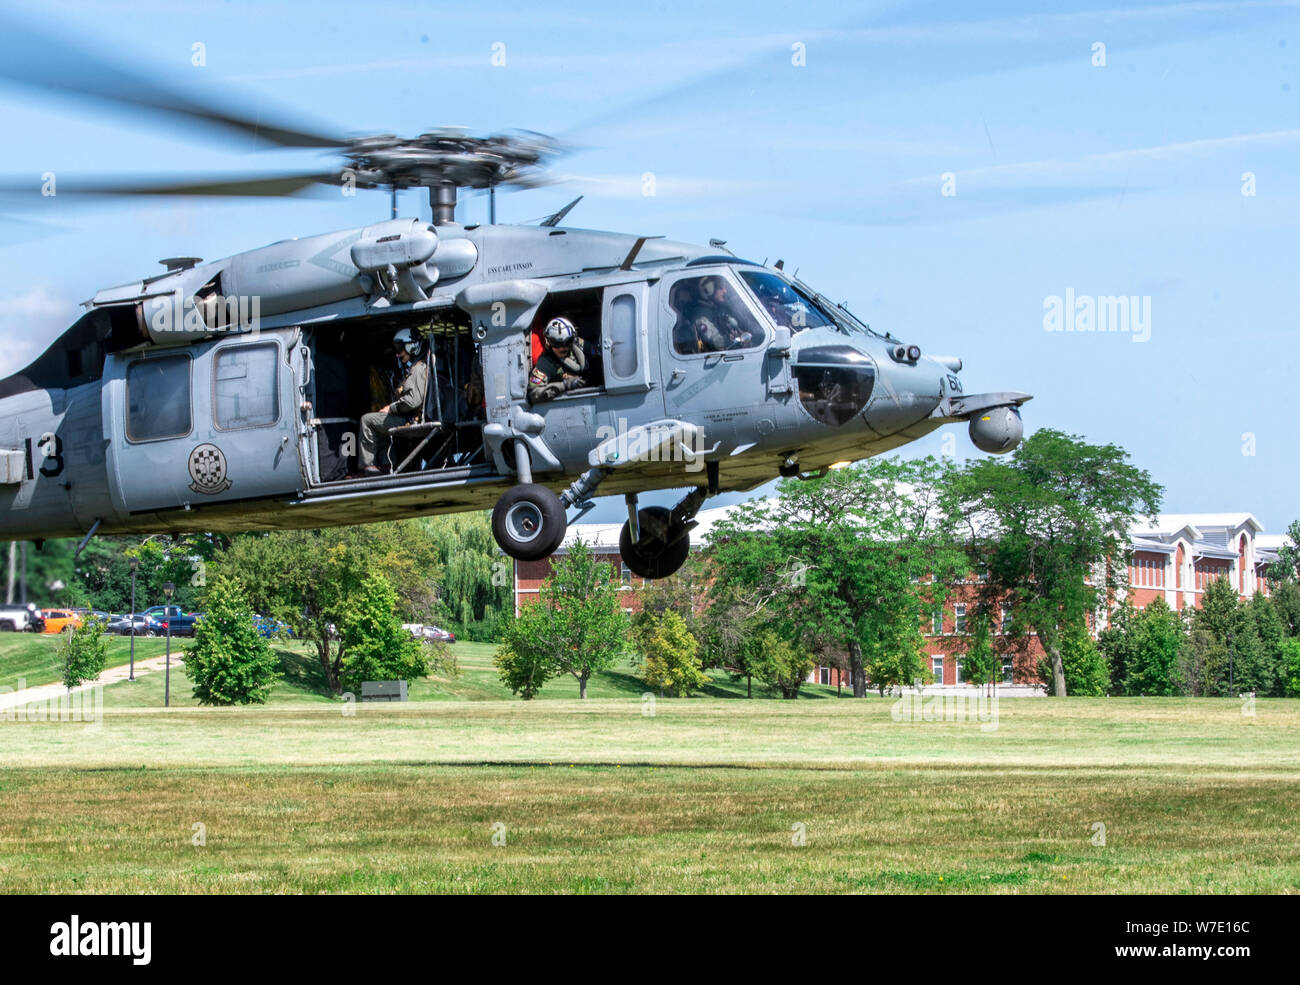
{"type": "Point", "coordinates": [31, 659]}
{"type": "Point", "coordinates": [620, 793]}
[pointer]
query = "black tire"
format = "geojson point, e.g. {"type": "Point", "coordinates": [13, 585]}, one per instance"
{"type": "Point", "coordinates": [650, 557]}
{"type": "Point", "coordinates": [528, 522]}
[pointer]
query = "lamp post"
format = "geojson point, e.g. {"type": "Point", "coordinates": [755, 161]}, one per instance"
{"type": "Point", "coordinates": [134, 562]}
{"type": "Point", "coordinates": [168, 588]}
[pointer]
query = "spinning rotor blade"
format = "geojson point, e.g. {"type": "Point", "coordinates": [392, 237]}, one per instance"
{"type": "Point", "coordinates": [216, 185]}
{"type": "Point", "coordinates": [32, 58]}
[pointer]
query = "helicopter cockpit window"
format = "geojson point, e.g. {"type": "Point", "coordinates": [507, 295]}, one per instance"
{"type": "Point", "coordinates": [710, 317]}
{"type": "Point", "coordinates": [786, 304]}
{"type": "Point", "coordinates": [244, 387]}
{"type": "Point", "coordinates": [158, 398]}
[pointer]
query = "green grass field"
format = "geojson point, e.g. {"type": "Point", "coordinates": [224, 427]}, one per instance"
{"type": "Point", "coordinates": [34, 659]}
{"type": "Point", "coordinates": [704, 794]}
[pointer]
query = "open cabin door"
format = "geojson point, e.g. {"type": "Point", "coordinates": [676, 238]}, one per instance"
{"type": "Point", "coordinates": [204, 423]}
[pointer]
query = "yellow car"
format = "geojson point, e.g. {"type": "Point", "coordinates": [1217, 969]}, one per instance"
{"type": "Point", "coordinates": [57, 620]}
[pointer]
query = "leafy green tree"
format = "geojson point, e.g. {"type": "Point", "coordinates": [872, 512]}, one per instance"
{"type": "Point", "coordinates": [1084, 667]}
{"type": "Point", "coordinates": [1286, 601]}
{"type": "Point", "coordinates": [1117, 643]}
{"type": "Point", "coordinates": [1234, 660]}
{"type": "Point", "coordinates": [229, 662]}
{"type": "Point", "coordinates": [852, 560]}
{"type": "Point", "coordinates": [476, 585]}
{"type": "Point", "coordinates": [782, 665]}
{"type": "Point", "coordinates": [1271, 633]}
{"type": "Point", "coordinates": [576, 627]}
{"type": "Point", "coordinates": [1291, 653]}
{"type": "Point", "coordinates": [378, 648]}
{"type": "Point", "coordinates": [1051, 524]}
{"type": "Point", "coordinates": [728, 629]}
{"type": "Point", "coordinates": [1157, 634]}
{"type": "Point", "coordinates": [1199, 662]}
{"type": "Point", "coordinates": [310, 579]}
{"type": "Point", "coordinates": [84, 651]}
{"type": "Point", "coordinates": [981, 663]}
{"type": "Point", "coordinates": [1287, 566]}
{"type": "Point", "coordinates": [670, 657]}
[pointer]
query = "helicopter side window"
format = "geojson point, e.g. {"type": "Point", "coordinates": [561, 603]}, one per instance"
{"type": "Point", "coordinates": [784, 302]}
{"type": "Point", "coordinates": [244, 392]}
{"type": "Point", "coordinates": [158, 398]}
{"type": "Point", "coordinates": [622, 335]}
{"type": "Point", "coordinates": [711, 317]}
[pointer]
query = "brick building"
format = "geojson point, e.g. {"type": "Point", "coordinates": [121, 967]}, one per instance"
{"type": "Point", "coordinates": [1174, 558]}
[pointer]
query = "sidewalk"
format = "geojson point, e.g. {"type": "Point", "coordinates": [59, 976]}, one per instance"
{"type": "Point", "coordinates": [111, 675]}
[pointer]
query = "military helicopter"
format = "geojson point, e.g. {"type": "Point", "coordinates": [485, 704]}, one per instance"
{"type": "Point", "coordinates": [226, 395]}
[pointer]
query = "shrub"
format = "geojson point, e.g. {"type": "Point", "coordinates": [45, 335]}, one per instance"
{"type": "Point", "coordinates": [229, 662]}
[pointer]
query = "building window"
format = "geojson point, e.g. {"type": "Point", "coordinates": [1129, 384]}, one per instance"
{"type": "Point", "coordinates": [936, 665]}
{"type": "Point", "coordinates": [936, 624]}
{"type": "Point", "coordinates": [959, 618]}
{"type": "Point", "coordinates": [825, 675]}
{"type": "Point", "coordinates": [957, 678]}
{"type": "Point", "coordinates": [1008, 671]}
{"type": "Point", "coordinates": [1006, 620]}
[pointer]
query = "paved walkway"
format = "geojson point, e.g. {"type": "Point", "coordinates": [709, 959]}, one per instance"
{"type": "Point", "coordinates": [111, 675]}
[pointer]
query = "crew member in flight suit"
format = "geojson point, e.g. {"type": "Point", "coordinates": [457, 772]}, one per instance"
{"type": "Point", "coordinates": [408, 405]}
{"type": "Point", "coordinates": [562, 366]}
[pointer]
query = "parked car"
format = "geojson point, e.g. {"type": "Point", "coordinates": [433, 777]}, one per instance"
{"type": "Point", "coordinates": [181, 622]}
{"type": "Point", "coordinates": [20, 619]}
{"type": "Point", "coordinates": [269, 627]}
{"type": "Point", "coordinates": [144, 626]}
{"type": "Point", "coordinates": [57, 620]}
{"type": "Point", "coordinates": [182, 625]}
{"type": "Point", "coordinates": [422, 632]}
{"type": "Point", "coordinates": [439, 634]}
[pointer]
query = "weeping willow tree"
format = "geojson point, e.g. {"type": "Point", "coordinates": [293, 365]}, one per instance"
{"type": "Point", "coordinates": [476, 591]}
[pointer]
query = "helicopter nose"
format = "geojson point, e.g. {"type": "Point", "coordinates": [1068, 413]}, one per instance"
{"type": "Point", "coordinates": [907, 390]}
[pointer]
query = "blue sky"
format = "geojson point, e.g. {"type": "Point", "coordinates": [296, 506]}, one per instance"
{"type": "Point", "coordinates": [1122, 179]}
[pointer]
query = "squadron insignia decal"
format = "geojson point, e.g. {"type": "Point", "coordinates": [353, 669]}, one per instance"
{"type": "Point", "coordinates": [208, 470]}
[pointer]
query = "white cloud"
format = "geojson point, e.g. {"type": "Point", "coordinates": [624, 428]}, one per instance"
{"type": "Point", "coordinates": [29, 322]}
{"type": "Point", "coordinates": [665, 186]}
{"type": "Point", "coordinates": [1057, 167]}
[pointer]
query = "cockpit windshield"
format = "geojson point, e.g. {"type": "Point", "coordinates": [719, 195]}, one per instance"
{"type": "Point", "coordinates": [797, 306]}
{"type": "Point", "coordinates": [785, 303]}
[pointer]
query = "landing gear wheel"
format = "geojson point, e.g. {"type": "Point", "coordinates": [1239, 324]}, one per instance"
{"type": "Point", "coordinates": [528, 522]}
{"type": "Point", "coordinates": [650, 557]}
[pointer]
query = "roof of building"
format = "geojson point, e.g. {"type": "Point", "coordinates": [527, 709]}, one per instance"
{"type": "Point", "coordinates": [1170, 524]}
{"type": "Point", "coordinates": [1209, 534]}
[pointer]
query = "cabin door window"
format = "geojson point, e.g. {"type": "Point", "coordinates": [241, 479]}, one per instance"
{"type": "Point", "coordinates": [158, 399]}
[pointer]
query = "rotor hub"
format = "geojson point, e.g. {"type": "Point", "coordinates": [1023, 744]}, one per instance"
{"type": "Point", "coordinates": [449, 157]}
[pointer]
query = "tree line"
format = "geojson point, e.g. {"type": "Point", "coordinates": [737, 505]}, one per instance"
{"type": "Point", "coordinates": [849, 567]}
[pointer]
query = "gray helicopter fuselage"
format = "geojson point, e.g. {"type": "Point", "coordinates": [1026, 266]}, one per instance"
{"type": "Point", "coordinates": [192, 400]}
